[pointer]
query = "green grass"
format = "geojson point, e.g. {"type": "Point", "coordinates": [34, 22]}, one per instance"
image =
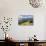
{"type": "Point", "coordinates": [26, 23]}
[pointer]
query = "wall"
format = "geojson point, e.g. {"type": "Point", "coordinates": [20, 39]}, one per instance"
{"type": "Point", "coordinates": [14, 8]}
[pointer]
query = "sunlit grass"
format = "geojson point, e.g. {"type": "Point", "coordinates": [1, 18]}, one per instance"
{"type": "Point", "coordinates": [26, 23]}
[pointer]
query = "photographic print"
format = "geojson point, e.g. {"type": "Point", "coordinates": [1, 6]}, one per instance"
{"type": "Point", "coordinates": [25, 20]}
